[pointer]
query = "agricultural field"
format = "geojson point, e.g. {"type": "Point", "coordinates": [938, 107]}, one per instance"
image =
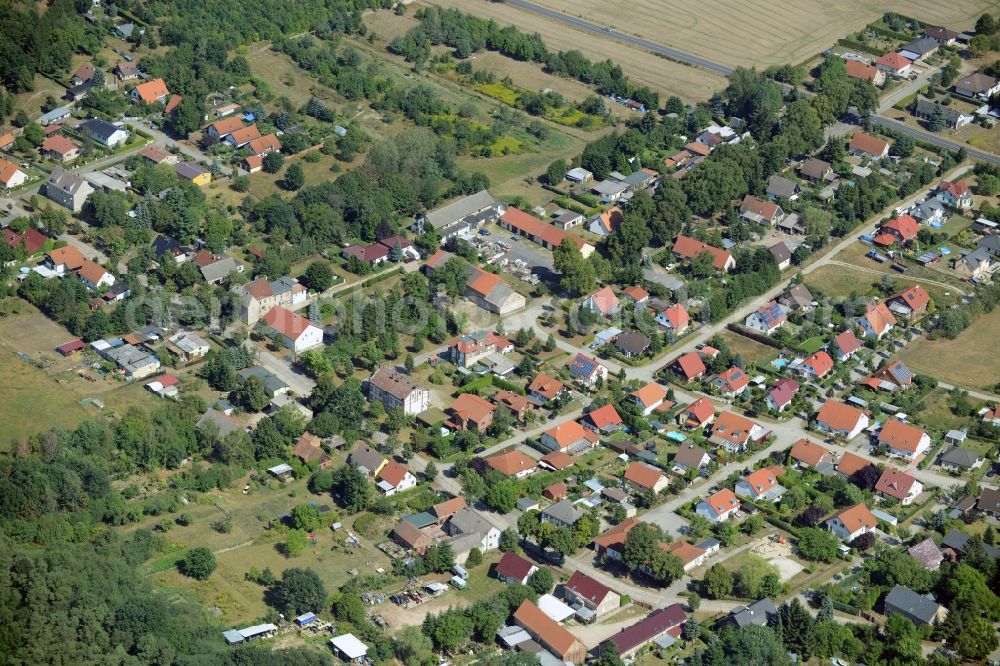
{"type": "Point", "coordinates": [666, 76]}
{"type": "Point", "coordinates": [968, 360]}
{"type": "Point", "coordinates": [751, 350]}
{"type": "Point", "coordinates": [775, 33]}
{"type": "Point", "coordinates": [49, 382]}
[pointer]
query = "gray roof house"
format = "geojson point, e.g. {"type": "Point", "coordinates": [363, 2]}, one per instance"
{"type": "Point", "coordinates": [919, 48]}
{"type": "Point", "coordinates": [928, 554]}
{"type": "Point", "coordinates": [218, 271]}
{"type": "Point", "coordinates": [929, 211]}
{"type": "Point", "coordinates": [990, 243]}
{"type": "Point", "coordinates": [779, 187]}
{"type": "Point", "coordinates": [189, 170]}
{"type": "Point", "coordinates": [961, 459]}
{"type": "Point", "coordinates": [104, 132]}
{"type": "Point", "coordinates": [67, 189]}
{"type": "Point", "coordinates": [467, 212]}
{"type": "Point", "coordinates": [757, 613]}
{"type": "Point", "coordinates": [953, 118]}
{"type": "Point", "coordinates": [797, 298]}
{"type": "Point", "coordinates": [917, 608]}
{"type": "Point", "coordinates": [367, 459]}
{"type": "Point", "coordinates": [273, 385]}
{"type": "Point", "coordinates": [561, 514]}
{"type": "Point", "coordinates": [214, 418]}
{"type": "Point", "coordinates": [815, 169]}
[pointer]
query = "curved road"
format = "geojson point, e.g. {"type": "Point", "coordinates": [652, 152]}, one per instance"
{"type": "Point", "coordinates": [611, 33]}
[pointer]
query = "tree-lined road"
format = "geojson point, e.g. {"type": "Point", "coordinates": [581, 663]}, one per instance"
{"type": "Point", "coordinates": [611, 33]}
{"type": "Point", "coordinates": [933, 139]}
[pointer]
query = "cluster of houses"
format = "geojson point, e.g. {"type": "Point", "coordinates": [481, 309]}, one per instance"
{"type": "Point", "coordinates": [246, 138]}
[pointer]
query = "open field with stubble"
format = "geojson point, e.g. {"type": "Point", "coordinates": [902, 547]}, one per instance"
{"type": "Point", "coordinates": [969, 360]}
{"type": "Point", "coordinates": [731, 32]}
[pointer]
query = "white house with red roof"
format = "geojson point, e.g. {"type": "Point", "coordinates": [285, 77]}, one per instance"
{"type": "Point", "coordinates": [394, 478]}
{"type": "Point", "coordinates": [674, 318]}
{"type": "Point", "coordinates": [690, 366]}
{"type": "Point", "coordinates": [898, 485]}
{"type": "Point", "coordinates": [603, 419]}
{"type": "Point", "coordinates": [649, 397]}
{"type": "Point", "coordinates": [955, 194]}
{"type": "Point", "coordinates": [719, 506]}
{"type": "Point", "coordinates": [732, 382]}
{"type": "Point", "coordinates": [602, 302]}
{"type": "Point", "coordinates": [838, 418]}
{"type": "Point", "coordinates": [641, 477]}
{"type": "Point", "coordinates": [852, 522]}
{"type": "Point", "coordinates": [295, 331]}
{"type": "Point", "coordinates": [845, 344]}
{"type": "Point", "coordinates": [903, 440]}
{"type": "Point", "coordinates": [781, 395]}
{"type": "Point", "coordinates": [877, 320]}
{"type": "Point", "coordinates": [698, 414]}
{"type": "Point", "coordinates": [901, 230]}
{"type": "Point", "coordinates": [894, 64]}
{"type": "Point", "coordinates": [911, 302]}
{"type": "Point", "coordinates": [814, 366]}
{"type": "Point", "coordinates": [761, 485]}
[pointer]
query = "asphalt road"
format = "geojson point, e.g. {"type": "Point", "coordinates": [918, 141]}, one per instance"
{"type": "Point", "coordinates": [611, 33]}
{"type": "Point", "coordinates": [933, 139]}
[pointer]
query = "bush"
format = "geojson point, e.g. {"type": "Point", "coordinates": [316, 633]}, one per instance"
{"type": "Point", "coordinates": [199, 563]}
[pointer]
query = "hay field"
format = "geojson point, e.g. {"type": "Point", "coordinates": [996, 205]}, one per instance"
{"type": "Point", "coordinates": [732, 32]}
{"type": "Point", "coordinates": [666, 76]}
{"type": "Point", "coordinates": [969, 360]}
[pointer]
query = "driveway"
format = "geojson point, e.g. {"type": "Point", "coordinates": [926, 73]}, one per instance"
{"type": "Point", "coordinates": [282, 368]}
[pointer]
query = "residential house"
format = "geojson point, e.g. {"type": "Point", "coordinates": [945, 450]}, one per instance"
{"type": "Point", "coordinates": [648, 398]}
{"type": "Point", "coordinates": [512, 463]}
{"type": "Point", "coordinates": [151, 92]}
{"type": "Point", "coordinates": [240, 138]}
{"type": "Point", "coordinates": [512, 568]}
{"type": "Point", "coordinates": [603, 419]}
{"type": "Point", "coordinates": [194, 173]}
{"type": "Point", "coordinates": [731, 382]}
{"type": "Point", "coordinates": [953, 117]}
{"type": "Point", "coordinates": [602, 302]}
{"type": "Point", "coordinates": [549, 634]}
{"type": "Point", "coordinates": [809, 454]}
{"type": "Point", "coordinates": [782, 255]}
{"type": "Point", "coordinates": [891, 377]}
{"type": "Point", "coordinates": [54, 116]}
{"type": "Point", "coordinates": [591, 593]}
{"type": "Point", "coordinates": [273, 385]}
{"type": "Point", "coordinates": [104, 133]}
{"type": "Point", "coordinates": [395, 390]}
{"type": "Point", "coordinates": [258, 297]}
{"type": "Point", "coordinates": [797, 298]}
{"type": "Point", "coordinates": [955, 194]}
{"type": "Point", "coordinates": [989, 502]}
{"type": "Point", "coordinates": [605, 223]}
{"type": "Point", "coordinates": [64, 259]}
{"type": "Point", "coordinates": [919, 49]}
{"type": "Point", "coordinates": [67, 189]}
{"type": "Point", "coordinates": [167, 246]}
{"type": "Point", "coordinates": [6, 141]}
{"type": "Point", "coordinates": [215, 268]}
{"type": "Point", "coordinates": [866, 145]}
{"type": "Point", "coordinates": [579, 175]}
{"type": "Point", "coordinates": [262, 145]}
{"type": "Point", "coordinates": [961, 460]}
{"type": "Point", "coordinates": [845, 344]}
{"type": "Point", "coordinates": [489, 292]}
{"type": "Point", "coordinates": [942, 36]}
{"type": "Point", "coordinates": [689, 248]}
{"type": "Point", "coordinates": [690, 555]}
{"type": "Point", "coordinates": [544, 388]}
{"type": "Point", "coordinates": [902, 229]}
{"type": "Point", "coordinates": [917, 608]}
{"type": "Point", "coordinates": [462, 215]}
{"type": "Point", "coordinates": [587, 370]}
{"type": "Point", "coordinates": [973, 264]}
{"type": "Point", "coordinates": [165, 386]}
{"type": "Point", "coordinates": [556, 461]}
{"type": "Point", "coordinates": [410, 537]}
{"type": "Point", "coordinates": [484, 535]}
{"type": "Point", "coordinates": [877, 320]}
{"type": "Point", "coordinates": [640, 478]}
{"type": "Point", "coordinates": [367, 459]}
{"type": "Point", "coordinates": [546, 235]}
{"type": "Point", "coordinates": [561, 514]}
{"type": "Point", "coordinates": [903, 440]}
{"type": "Point", "coordinates": [10, 175]}
{"type": "Point", "coordinates": [443, 511]}
{"type": "Point", "coordinates": [911, 302]}
{"type": "Point", "coordinates": [990, 243]}
{"type": "Point", "coordinates": [928, 554]}
{"type": "Point", "coordinates": [736, 433]}
{"type": "Point", "coordinates": [850, 523]}
{"type": "Point", "coordinates": [132, 361]}
{"type": "Point", "coordinates": [674, 318]}
{"type": "Point", "coordinates": [636, 294]}
{"type": "Point", "coordinates": [767, 319]}
{"type": "Point", "coordinates": [864, 72]}
{"type": "Point", "coordinates": [661, 627]}
{"type": "Point", "coordinates": [720, 506]}
{"type": "Point", "coordinates": [569, 436]}
{"type": "Point", "coordinates": [610, 191]}
{"type": "Point", "coordinates": [698, 414]}
{"type": "Point", "coordinates": [373, 255]}
{"type": "Point", "coordinates": [761, 485]}
{"type": "Point", "coordinates": [221, 129]}
{"type": "Point", "coordinates": [633, 344]}
{"type": "Point", "coordinates": [691, 457]}
{"type": "Point", "coordinates": [295, 331]}
{"type": "Point", "coordinates": [59, 148]}
{"type": "Point", "coordinates": [309, 449]}
{"type": "Point", "coordinates": [30, 240]}
{"type": "Point", "coordinates": [782, 394]}
{"type": "Point", "coordinates": [977, 85]}
{"type": "Point", "coordinates": [840, 419]}
{"type": "Point", "coordinates": [611, 543]}
{"type": "Point", "coordinates": [394, 478]}
{"type": "Point", "coordinates": [779, 187]}
{"type": "Point", "coordinates": [126, 71]}
{"type": "Point", "coordinates": [94, 275]}
{"type": "Point", "coordinates": [849, 464]}
{"type": "Point", "coordinates": [931, 211]}
{"type": "Point", "coordinates": [690, 366]}
{"type": "Point", "coordinates": [898, 485]}
{"type": "Point", "coordinates": [815, 366]}
{"type": "Point", "coordinates": [470, 412]}
{"type": "Point", "coordinates": [761, 212]}
{"type": "Point", "coordinates": [760, 613]}
{"type": "Point", "coordinates": [816, 169]}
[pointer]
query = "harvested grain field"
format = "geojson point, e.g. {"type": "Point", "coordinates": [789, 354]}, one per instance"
{"type": "Point", "coordinates": [970, 360]}
{"type": "Point", "coordinates": [730, 32]}
{"type": "Point", "coordinates": [666, 76]}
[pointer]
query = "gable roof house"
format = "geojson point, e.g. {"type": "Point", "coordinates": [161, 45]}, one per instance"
{"type": "Point", "coordinates": [104, 132]}
{"type": "Point", "coordinates": [973, 263]}
{"type": "Point", "coordinates": [591, 594]}
{"type": "Point", "coordinates": [919, 48]}
{"type": "Point", "coordinates": [602, 302]}
{"type": "Point", "coordinates": [393, 389]}
{"type": "Point", "coordinates": [59, 148]}
{"type": "Point", "coordinates": [961, 460]}
{"type": "Point", "coordinates": [657, 627]}
{"type": "Point", "coordinates": [797, 298]}
{"type": "Point", "coordinates": [719, 506]}
{"type": "Point", "coordinates": [549, 634]}
{"type": "Point", "coordinates": [919, 609]}
{"type": "Point", "coordinates": [977, 85]}
{"type": "Point", "coordinates": [809, 454]}
{"type": "Point", "coordinates": [10, 175]}
{"type": "Point", "coordinates": [309, 447]}
{"type": "Point", "coordinates": [815, 366]}
{"type": "Point", "coordinates": [953, 118]}
{"type": "Point", "coordinates": [215, 268]}
{"type": "Point", "coordinates": [67, 189]}
{"type": "Point", "coordinates": [512, 463]}
{"type": "Point", "coordinates": [94, 275]}
{"type": "Point", "coordinates": [640, 477]}
{"type": "Point", "coordinates": [690, 366]}
{"type": "Point", "coordinates": [760, 212]}
{"type": "Point", "coordinates": [767, 319]}
{"type": "Point", "coordinates": [411, 537]}
{"type": "Point", "coordinates": [561, 514]}
{"type": "Point", "coordinates": [891, 377]}
{"type": "Point", "coordinates": [864, 72]}
{"type": "Point", "coordinates": [690, 555]}
{"type": "Point", "coordinates": [911, 302]}
{"type": "Point", "coordinates": [546, 235]}
{"type": "Point", "coordinates": [394, 478]}
{"type": "Point", "coordinates": [686, 247]}
{"type": "Point", "coordinates": [815, 169]}
{"type": "Point", "coordinates": [782, 255]}
{"type": "Point", "coordinates": [491, 293]}
{"type": "Point", "coordinates": [902, 229]}
{"type": "Point", "coordinates": [779, 187]}
{"type": "Point", "coordinates": [220, 129]}
{"type": "Point", "coordinates": [468, 522]}
{"type": "Point", "coordinates": [605, 223]}
{"type": "Point", "coordinates": [150, 92]}
{"type": "Point", "coordinates": [32, 240]}
{"type": "Point", "coordinates": [840, 419]}
{"type": "Point", "coordinates": [852, 522]}
{"type": "Point", "coordinates": [955, 194]}
{"type": "Point", "coordinates": [470, 412]}
{"type": "Point", "coordinates": [866, 145]}
{"type": "Point", "coordinates": [295, 331]}
{"type": "Point", "coordinates": [64, 259]}
{"type": "Point", "coordinates": [698, 414]}
{"type": "Point", "coordinates": [263, 145]}
{"type": "Point", "coordinates": [602, 419]}
{"type": "Point", "coordinates": [904, 441]}
{"type": "Point", "coordinates": [898, 485]}
{"type": "Point", "coordinates": [674, 318]}
{"type": "Point", "coordinates": [611, 543]}
{"type": "Point", "coordinates": [927, 553]}
{"type": "Point", "coordinates": [648, 397]}
{"type": "Point", "coordinates": [238, 138]}
{"type": "Point", "coordinates": [633, 344]}
{"type": "Point", "coordinates": [512, 568]}
{"type": "Point", "coordinates": [570, 437]}
{"type": "Point", "coordinates": [194, 173]}
{"type": "Point", "coordinates": [761, 485]}
{"type": "Point", "coordinates": [372, 255]}
{"type": "Point", "coordinates": [545, 388]}
{"type": "Point", "coordinates": [731, 382]}
{"type": "Point", "coordinates": [587, 370]}
{"type": "Point", "coordinates": [845, 344]}
{"type": "Point", "coordinates": [877, 320]}
{"type": "Point", "coordinates": [782, 394]}
{"type": "Point", "coordinates": [462, 215]}
{"type": "Point", "coordinates": [259, 296]}
{"type": "Point", "coordinates": [736, 433]}
{"type": "Point", "coordinates": [690, 456]}
{"type": "Point", "coordinates": [367, 459]}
